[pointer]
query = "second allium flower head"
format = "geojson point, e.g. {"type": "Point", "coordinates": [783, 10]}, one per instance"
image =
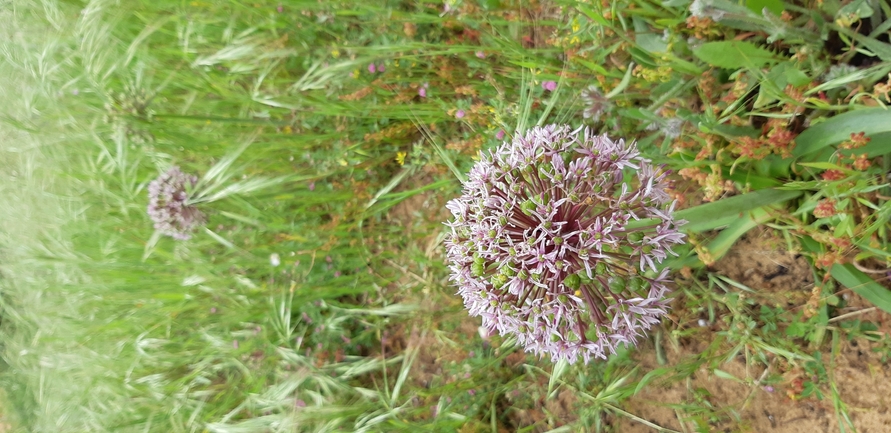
{"type": "Point", "coordinates": [543, 245]}
{"type": "Point", "coordinates": [168, 204]}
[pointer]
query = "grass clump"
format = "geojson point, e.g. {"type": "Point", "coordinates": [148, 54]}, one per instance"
{"type": "Point", "coordinates": [326, 139]}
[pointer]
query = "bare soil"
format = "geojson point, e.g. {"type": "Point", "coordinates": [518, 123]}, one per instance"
{"type": "Point", "coordinates": [863, 379]}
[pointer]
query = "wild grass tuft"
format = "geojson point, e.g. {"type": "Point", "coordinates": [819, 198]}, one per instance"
{"type": "Point", "coordinates": [327, 137]}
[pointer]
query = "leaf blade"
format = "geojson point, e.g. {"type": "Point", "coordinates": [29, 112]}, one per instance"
{"type": "Point", "coordinates": [839, 128]}
{"type": "Point", "coordinates": [723, 212]}
{"type": "Point", "coordinates": [863, 285]}
{"type": "Point", "coordinates": [734, 54]}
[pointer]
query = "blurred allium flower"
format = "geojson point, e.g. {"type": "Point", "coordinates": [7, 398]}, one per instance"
{"type": "Point", "coordinates": [123, 108]}
{"type": "Point", "coordinates": [546, 243]}
{"type": "Point", "coordinates": [671, 127]}
{"type": "Point", "coordinates": [706, 9]}
{"type": "Point", "coordinates": [169, 207]}
{"type": "Point", "coordinates": [595, 103]}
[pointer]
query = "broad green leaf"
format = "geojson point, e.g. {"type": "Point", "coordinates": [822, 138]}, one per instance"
{"type": "Point", "coordinates": [863, 285]}
{"type": "Point", "coordinates": [839, 128]}
{"type": "Point", "coordinates": [774, 6]}
{"type": "Point", "coordinates": [723, 212]}
{"type": "Point", "coordinates": [721, 244]}
{"type": "Point", "coordinates": [796, 77]}
{"type": "Point", "coordinates": [857, 8]}
{"type": "Point", "coordinates": [734, 54]}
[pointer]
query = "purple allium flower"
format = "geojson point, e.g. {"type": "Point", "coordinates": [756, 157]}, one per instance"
{"type": "Point", "coordinates": [169, 207]}
{"type": "Point", "coordinates": [550, 245]}
{"type": "Point", "coordinates": [372, 68]}
{"type": "Point", "coordinates": [595, 103]}
{"type": "Point", "coordinates": [500, 134]}
{"type": "Point", "coordinates": [460, 114]}
{"type": "Point", "coordinates": [550, 86]}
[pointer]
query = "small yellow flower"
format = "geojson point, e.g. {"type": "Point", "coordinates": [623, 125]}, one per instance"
{"type": "Point", "coordinates": [335, 53]}
{"type": "Point", "coordinates": [400, 158]}
{"type": "Point", "coordinates": [575, 25]}
{"type": "Point", "coordinates": [355, 74]}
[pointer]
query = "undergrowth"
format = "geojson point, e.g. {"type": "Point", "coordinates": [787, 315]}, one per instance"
{"type": "Point", "coordinates": [327, 137]}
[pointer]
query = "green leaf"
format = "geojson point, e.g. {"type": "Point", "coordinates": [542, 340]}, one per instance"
{"type": "Point", "coordinates": [796, 77]}
{"type": "Point", "coordinates": [594, 16]}
{"type": "Point", "coordinates": [839, 128]}
{"type": "Point", "coordinates": [725, 375]}
{"type": "Point", "coordinates": [863, 285]}
{"type": "Point", "coordinates": [858, 8]}
{"type": "Point", "coordinates": [734, 54]}
{"type": "Point", "coordinates": [723, 212]}
{"type": "Point", "coordinates": [881, 49]}
{"type": "Point", "coordinates": [774, 6]}
{"type": "Point", "coordinates": [823, 166]}
{"type": "Point", "coordinates": [721, 244]}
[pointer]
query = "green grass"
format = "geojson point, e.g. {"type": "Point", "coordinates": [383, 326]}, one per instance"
{"type": "Point", "coordinates": [342, 174]}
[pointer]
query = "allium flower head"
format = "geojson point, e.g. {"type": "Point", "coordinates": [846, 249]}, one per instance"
{"type": "Point", "coordinates": [596, 103]}
{"type": "Point", "coordinates": [551, 245]}
{"type": "Point", "coordinates": [168, 204]}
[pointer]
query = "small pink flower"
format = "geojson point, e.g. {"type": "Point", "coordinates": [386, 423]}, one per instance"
{"type": "Point", "coordinates": [372, 68]}
{"type": "Point", "coordinates": [500, 134]}
{"type": "Point", "coordinates": [460, 114]}
{"type": "Point", "coordinates": [235, 344]}
{"type": "Point", "coordinates": [550, 86]}
{"type": "Point", "coordinates": [481, 54]}
{"type": "Point", "coordinates": [280, 9]}
{"type": "Point", "coordinates": [422, 92]}
{"type": "Point", "coordinates": [312, 186]}
{"type": "Point", "coordinates": [381, 68]}
{"type": "Point", "coordinates": [472, 392]}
